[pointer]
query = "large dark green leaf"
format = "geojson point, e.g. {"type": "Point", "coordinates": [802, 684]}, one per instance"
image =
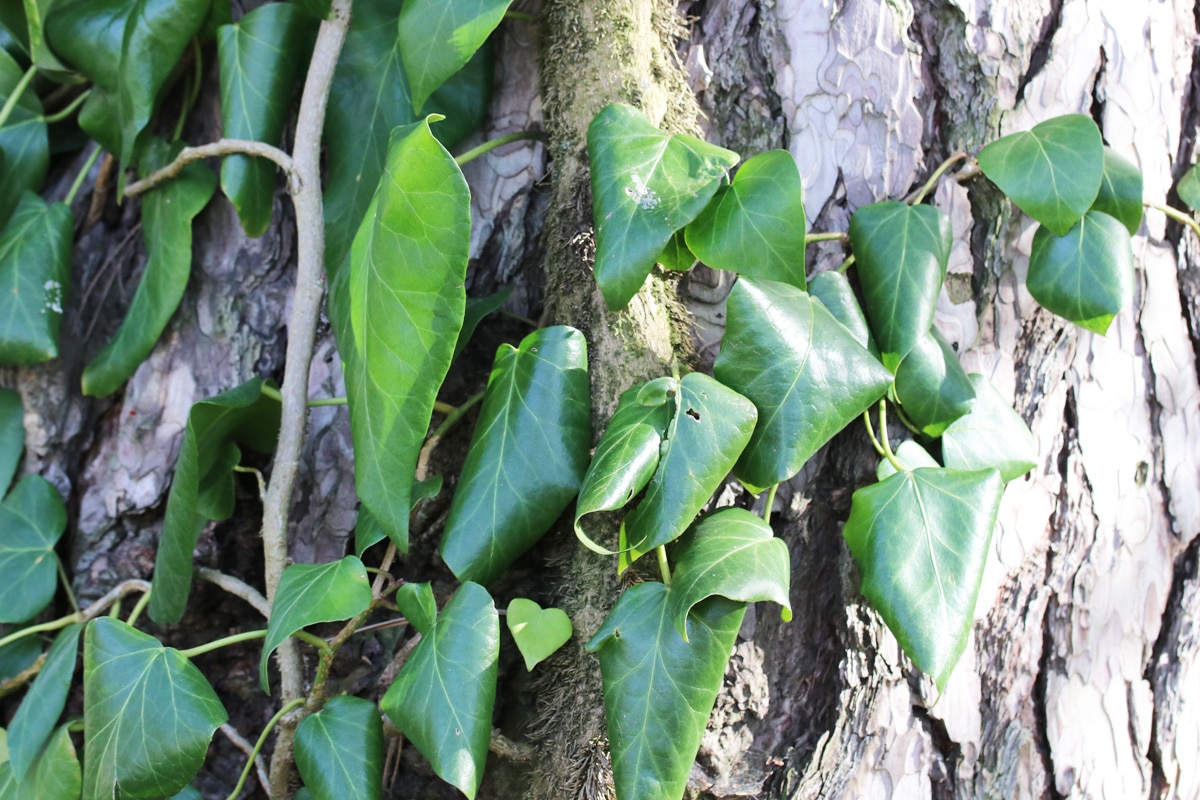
{"type": "Point", "coordinates": [659, 689]}
{"type": "Point", "coordinates": [1120, 190]}
{"type": "Point", "coordinates": [442, 699]}
{"type": "Point", "coordinates": [438, 37]}
{"type": "Point", "coordinates": [755, 226]}
{"type": "Point", "coordinates": [35, 271]}
{"type": "Point", "coordinates": [148, 714]}
{"type": "Point", "coordinates": [802, 369]}
{"type": "Point", "coordinates": [921, 540]}
{"type": "Point", "coordinates": [32, 519]}
{"type": "Point", "coordinates": [202, 488]}
{"type": "Point", "coordinates": [834, 292]}
{"type": "Point", "coordinates": [339, 750]}
{"type": "Point", "coordinates": [167, 213]}
{"type": "Point", "coordinates": [34, 721]}
{"type": "Point", "coordinates": [405, 298]}
{"type": "Point", "coordinates": [1085, 276]}
{"type": "Point", "coordinates": [53, 775]}
{"type": "Point", "coordinates": [932, 387]}
{"type": "Point", "coordinates": [12, 436]}
{"type": "Point", "coordinates": [991, 435]}
{"type": "Point", "coordinates": [646, 185]}
{"type": "Point", "coordinates": [901, 253]}
{"type": "Point", "coordinates": [1051, 172]}
{"type": "Point", "coordinates": [527, 455]}
{"type": "Point", "coordinates": [24, 142]}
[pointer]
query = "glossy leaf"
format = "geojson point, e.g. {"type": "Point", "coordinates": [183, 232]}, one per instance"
{"type": "Point", "coordinates": [992, 435]}
{"type": "Point", "coordinates": [167, 213]}
{"type": "Point", "coordinates": [15, 657]}
{"type": "Point", "coordinates": [805, 373]}
{"type": "Point", "coordinates": [39, 51]}
{"type": "Point", "coordinates": [834, 292]}
{"type": "Point", "coordinates": [53, 775]}
{"type": "Point", "coordinates": [1120, 193]}
{"type": "Point", "coordinates": [438, 37]}
{"type": "Point", "coordinates": [418, 605]}
{"type": "Point", "coordinates": [1188, 187]}
{"type": "Point", "coordinates": [646, 185]}
{"type": "Point", "coordinates": [932, 387]}
{"type": "Point", "coordinates": [538, 631]}
{"type": "Point", "coordinates": [312, 593]}
{"type": "Point", "coordinates": [1086, 276]}
{"type": "Point", "coordinates": [442, 699]}
{"type": "Point", "coordinates": [368, 532]}
{"type": "Point", "coordinates": [34, 721]}
{"type": "Point", "coordinates": [339, 750]}
{"type": "Point", "coordinates": [755, 225]}
{"type": "Point", "coordinates": [921, 541]}
{"type": "Point", "coordinates": [677, 256]}
{"type": "Point", "coordinates": [24, 141]}
{"type": "Point", "coordinates": [35, 272]}
{"type": "Point", "coordinates": [12, 436]}
{"type": "Point", "coordinates": [32, 520]}
{"type": "Point", "coordinates": [1051, 172]}
{"type": "Point", "coordinates": [527, 455]}
{"type": "Point", "coordinates": [901, 253]}
{"type": "Point", "coordinates": [478, 308]}
{"type": "Point", "coordinates": [202, 488]}
{"type": "Point", "coordinates": [658, 689]}
{"type": "Point", "coordinates": [148, 714]}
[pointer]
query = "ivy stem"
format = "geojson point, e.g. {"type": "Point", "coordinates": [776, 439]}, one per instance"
{"type": "Point", "coordinates": [456, 413]}
{"type": "Point", "coordinates": [317, 402]}
{"type": "Point", "coordinates": [521, 15]}
{"type": "Point", "coordinates": [224, 641]}
{"type": "Point", "coordinates": [227, 147]}
{"type": "Point", "coordinates": [17, 91]}
{"type": "Point", "coordinates": [935, 177]}
{"type": "Point", "coordinates": [906, 422]}
{"type": "Point", "coordinates": [499, 141]}
{"type": "Point", "coordinates": [83, 173]}
{"type": "Point", "coordinates": [832, 236]}
{"type": "Point", "coordinates": [66, 584]}
{"type": "Point", "coordinates": [1177, 215]}
{"type": "Point", "coordinates": [533, 323]}
{"type": "Point", "coordinates": [237, 588]}
{"type": "Point", "coordinates": [68, 110]}
{"type": "Point", "coordinates": [871, 433]}
{"type": "Point", "coordinates": [138, 608]}
{"type": "Point", "coordinates": [262, 738]}
{"type": "Point", "coordinates": [262, 486]}
{"type": "Point", "coordinates": [770, 503]}
{"type": "Point", "coordinates": [849, 262]}
{"type": "Point", "coordinates": [663, 566]}
{"type": "Point", "coordinates": [91, 612]}
{"type": "Point", "coordinates": [883, 436]}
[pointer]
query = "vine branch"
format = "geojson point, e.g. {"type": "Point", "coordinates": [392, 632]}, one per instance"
{"type": "Point", "coordinates": [228, 147]}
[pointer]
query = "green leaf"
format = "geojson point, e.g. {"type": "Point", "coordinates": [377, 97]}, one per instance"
{"type": "Point", "coordinates": [167, 214]}
{"type": "Point", "coordinates": [834, 292]}
{"type": "Point", "coordinates": [710, 427]}
{"type": "Point", "coordinates": [910, 455]}
{"type": "Point", "coordinates": [418, 605]}
{"type": "Point", "coordinates": [41, 54]}
{"type": "Point", "coordinates": [676, 256]}
{"type": "Point", "coordinates": [190, 793]}
{"type": "Point", "coordinates": [368, 532]}
{"type": "Point", "coordinates": [1188, 187]}
{"type": "Point", "coordinates": [921, 540]}
{"type": "Point", "coordinates": [659, 689]}
{"type": "Point", "coordinates": [992, 435]}
{"type": "Point", "coordinates": [312, 593]}
{"type": "Point", "coordinates": [527, 455]}
{"type": "Point", "coordinates": [1085, 276]}
{"type": "Point", "coordinates": [34, 721]}
{"type": "Point", "coordinates": [32, 519]}
{"type": "Point", "coordinates": [15, 657]}
{"type": "Point", "coordinates": [932, 387]}
{"type": "Point", "coordinates": [438, 37]}
{"type": "Point", "coordinates": [901, 253]}
{"type": "Point", "coordinates": [35, 272]}
{"type": "Point", "coordinates": [1051, 172]}
{"type": "Point", "coordinates": [730, 553]}
{"type": "Point", "coordinates": [442, 699]}
{"type": "Point", "coordinates": [203, 473]}
{"type": "Point", "coordinates": [477, 309]}
{"type": "Point", "coordinates": [54, 775]}
{"type": "Point", "coordinates": [1120, 191]}
{"type": "Point", "coordinates": [24, 141]}
{"type": "Point", "coordinates": [538, 632]}
{"type": "Point", "coordinates": [339, 750]}
{"type": "Point", "coordinates": [12, 436]}
{"type": "Point", "coordinates": [755, 225]}
{"type": "Point", "coordinates": [260, 57]}
{"type": "Point", "coordinates": [646, 185]}
{"type": "Point", "coordinates": [804, 372]}
{"type": "Point", "coordinates": [148, 714]}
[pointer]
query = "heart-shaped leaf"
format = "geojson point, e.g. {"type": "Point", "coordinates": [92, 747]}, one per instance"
{"type": "Point", "coordinates": [804, 372]}
{"type": "Point", "coordinates": [901, 253]}
{"type": "Point", "coordinates": [35, 271]}
{"type": "Point", "coordinates": [339, 750]}
{"type": "Point", "coordinates": [418, 605]}
{"type": "Point", "coordinates": [12, 436]}
{"type": "Point", "coordinates": [312, 593]}
{"type": "Point", "coordinates": [646, 185]}
{"type": "Point", "coordinates": [527, 455]}
{"type": "Point", "coordinates": [148, 714]}
{"type": "Point", "coordinates": [34, 721]}
{"type": "Point", "coordinates": [32, 519]}
{"type": "Point", "coordinates": [658, 688]}
{"type": "Point", "coordinates": [1120, 193]}
{"type": "Point", "coordinates": [921, 540]}
{"type": "Point", "coordinates": [992, 435]}
{"type": "Point", "coordinates": [24, 142]}
{"type": "Point", "coordinates": [1085, 276]}
{"type": "Point", "coordinates": [834, 292]}
{"type": "Point", "coordinates": [755, 225]}
{"type": "Point", "coordinates": [933, 389]}
{"type": "Point", "coordinates": [442, 699]}
{"type": "Point", "coordinates": [538, 632]}
{"type": "Point", "coordinates": [477, 309]}
{"type": "Point", "coordinates": [438, 37]}
{"type": "Point", "coordinates": [1188, 187]}
{"type": "Point", "coordinates": [53, 775]}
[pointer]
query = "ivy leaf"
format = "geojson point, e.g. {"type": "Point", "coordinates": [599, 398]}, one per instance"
{"type": "Point", "coordinates": [901, 252]}
{"type": "Point", "coordinates": [646, 185]}
{"type": "Point", "coordinates": [1051, 172]}
{"type": "Point", "coordinates": [15, 657]}
{"type": "Point", "coordinates": [1086, 276]}
{"type": "Point", "coordinates": [442, 699]}
{"type": "Point", "coordinates": [339, 750]}
{"type": "Point", "coordinates": [438, 37]}
{"type": "Point", "coordinates": [478, 308]}
{"type": "Point", "coordinates": [932, 387]}
{"type": "Point", "coordinates": [148, 714]}
{"type": "Point", "coordinates": [833, 290]}
{"type": "Point", "coordinates": [921, 540]}
{"type": "Point", "coordinates": [538, 631]}
{"type": "Point", "coordinates": [167, 214]}
{"type": "Point", "coordinates": [1188, 187]}
{"type": "Point", "coordinates": [32, 520]}
{"type": "Point", "coordinates": [730, 553]}
{"type": "Point", "coordinates": [39, 52]}
{"type": "Point", "coordinates": [35, 271]}
{"type": "Point", "coordinates": [910, 455]}
{"type": "Point", "coordinates": [677, 256]}
{"type": "Point", "coordinates": [527, 455]}
{"type": "Point", "coordinates": [659, 689]}
{"type": "Point", "coordinates": [12, 436]}
{"type": "Point", "coordinates": [992, 435]}
{"type": "Point", "coordinates": [203, 473]}
{"type": "Point", "coordinates": [34, 721]}
{"type": "Point", "coordinates": [24, 141]}
{"type": "Point", "coordinates": [1120, 191]}
{"type": "Point", "coordinates": [54, 774]}
{"type": "Point", "coordinates": [312, 593]}
{"type": "Point", "coordinates": [804, 372]}
{"type": "Point", "coordinates": [368, 532]}
{"type": "Point", "coordinates": [755, 225]}
{"type": "Point", "coordinates": [418, 605]}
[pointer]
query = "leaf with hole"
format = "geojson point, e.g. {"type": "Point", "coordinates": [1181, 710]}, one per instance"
{"type": "Point", "coordinates": [1120, 193]}
{"type": "Point", "coordinates": [32, 520]}
{"type": "Point", "coordinates": [418, 605]}
{"type": "Point", "coordinates": [12, 436]}
{"type": "Point", "coordinates": [438, 37]}
{"type": "Point", "coordinates": [833, 290]}
{"type": "Point", "coordinates": [34, 721]}
{"type": "Point", "coordinates": [992, 435]}
{"type": "Point", "coordinates": [35, 272]}
{"type": "Point", "coordinates": [1086, 276]}
{"type": "Point", "coordinates": [339, 750]}
{"type": "Point", "coordinates": [24, 141]}
{"type": "Point", "coordinates": [53, 775]}
{"type": "Point", "coordinates": [538, 632]}
{"type": "Point", "coordinates": [933, 389]}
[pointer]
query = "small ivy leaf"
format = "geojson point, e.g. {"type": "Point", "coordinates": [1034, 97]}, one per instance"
{"type": "Point", "coordinates": [755, 225]}
{"type": "Point", "coordinates": [437, 38]}
{"type": "Point", "coordinates": [932, 386]}
{"type": "Point", "coordinates": [677, 256]}
{"type": "Point", "coordinates": [921, 540]}
{"type": "Point", "coordinates": [418, 605]}
{"type": "Point", "coordinates": [368, 532]}
{"type": "Point", "coordinates": [443, 697]}
{"type": "Point", "coordinates": [1120, 191]}
{"type": "Point", "coordinates": [1051, 172]}
{"type": "Point", "coordinates": [992, 435]}
{"type": "Point", "coordinates": [901, 253]}
{"type": "Point", "coordinates": [834, 292]}
{"type": "Point", "coordinates": [148, 714]}
{"type": "Point", "coordinates": [35, 272]}
{"type": "Point", "coordinates": [54, 775]}
{"type": "Point", "coordinates": [12, 436]}
{"type": "Point", "coordinates": [911, 455]}
{"type": "Point", "coordinates": [39, 51]}
{"type": "Point", "coordinates": [477, 309]}
{"type": "Point", "coordinates": [15, 657]}
{"type": "Point", "coordinates": [538, 632]}
{"type": "Point", "coordinates": [646, 185]}
{"type": "Point", "coordinates": [32, 520]}
{"type": "Point", "coordinates": [24, 140]}
{"type": "Point", "coordinates": [34, 721]}
{"type": "Point", "coordinates": [1188, 187]}
{"type": "Point", "coordinates": [659, 689]}
{"type": "Point", "coordinates": [312, 593]}
{"type": "Point", "coordinates": [1086, 276]}
{"type": "Point", "coordinates": [339, 750]}
{"type": "Point", "coordinates": [730, 553]}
